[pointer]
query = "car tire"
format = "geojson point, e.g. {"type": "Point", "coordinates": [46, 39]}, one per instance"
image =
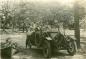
{"type": "Point", "coordinates": [72, 48]}
{"type": "Point", "coordinates": [28, 43]}
{"type": "Point", "coordinates": [47, 49]}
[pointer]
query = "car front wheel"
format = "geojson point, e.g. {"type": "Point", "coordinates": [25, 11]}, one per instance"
{"type": "Point", "coordinates": [46, 49]}
{"type": "Point", "coordinates": [72, 48]}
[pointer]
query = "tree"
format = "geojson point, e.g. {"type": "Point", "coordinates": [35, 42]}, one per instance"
{"type": "Point", "coordinates": [5, 11]}
{"type": "Point", "coordinates": [79, 12]}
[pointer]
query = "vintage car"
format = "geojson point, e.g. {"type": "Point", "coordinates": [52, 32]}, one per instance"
{"type": "Point", "coordinates": [48, 41]}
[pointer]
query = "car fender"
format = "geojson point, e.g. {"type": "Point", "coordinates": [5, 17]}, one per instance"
{"type": "Point", "coordinates": [71, 39]}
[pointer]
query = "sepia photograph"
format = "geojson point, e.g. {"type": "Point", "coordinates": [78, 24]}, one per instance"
{"type": "Point", "coordinates": [42, 29]}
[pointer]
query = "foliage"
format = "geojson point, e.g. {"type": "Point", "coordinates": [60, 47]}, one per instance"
{"type": "Point", "coordinates": [23, 14]}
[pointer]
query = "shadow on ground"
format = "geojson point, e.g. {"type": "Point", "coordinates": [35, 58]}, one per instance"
{"type": "Point", "coordinates": [37, 54]}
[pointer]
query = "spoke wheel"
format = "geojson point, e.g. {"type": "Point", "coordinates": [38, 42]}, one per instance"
{"type": "Point", "coordinates": [72, 48]}
{"type": "Point", "coordinates": [46, 49]}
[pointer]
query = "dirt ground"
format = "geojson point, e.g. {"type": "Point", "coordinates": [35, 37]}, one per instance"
{"type": "Point", "coordinates": [35, 53]}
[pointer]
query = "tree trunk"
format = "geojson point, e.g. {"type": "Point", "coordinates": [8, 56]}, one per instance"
{"type": "Point", "coordinates": [77, 29]}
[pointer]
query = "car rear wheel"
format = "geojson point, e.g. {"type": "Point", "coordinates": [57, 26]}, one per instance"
{"type": "Point", "coordinates": [28, 44]}
{"type": "Point", "coordinates": [72, 48]}
{"type": "Point", "coordinates": [46, 49]}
